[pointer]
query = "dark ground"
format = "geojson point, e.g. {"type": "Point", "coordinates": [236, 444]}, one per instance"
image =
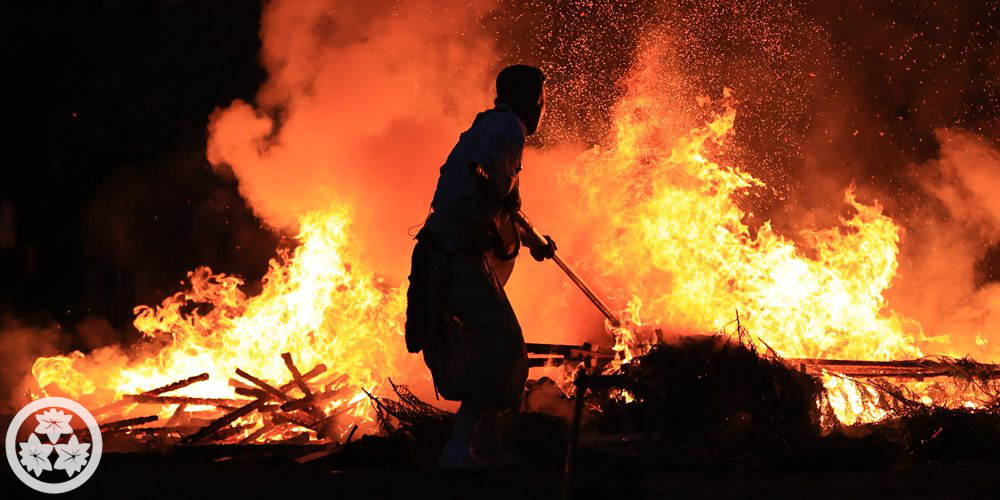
{"type": "Point", "coordinates": [203, 474]}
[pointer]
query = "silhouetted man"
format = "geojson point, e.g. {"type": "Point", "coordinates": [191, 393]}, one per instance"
{"type": "Point", "coordinates": [457, 311]}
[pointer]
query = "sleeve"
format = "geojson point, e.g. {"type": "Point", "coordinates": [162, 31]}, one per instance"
{"type": "Point", "coordinates": [498, 150]}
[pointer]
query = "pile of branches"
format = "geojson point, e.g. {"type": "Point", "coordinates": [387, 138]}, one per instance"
{"type": "Point", "coordinates": [717, 390]}
{"type": "Point", "coordinates": [720, 395]}
{"type": "Point", "coordinates": [293, 413]}
{"type": "Point", "coordinates": [410, 417]}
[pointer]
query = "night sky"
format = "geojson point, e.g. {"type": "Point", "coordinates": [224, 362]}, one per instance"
{"type": "Point", "coordinates": [104, 162]}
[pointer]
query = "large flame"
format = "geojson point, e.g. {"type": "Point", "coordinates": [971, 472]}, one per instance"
{"type": "Point", "coordinates": [680, 246]}
{"type": "Point", "coordinates": [318, 303]}
{"type": "Point", "coordinates": [683, 248]}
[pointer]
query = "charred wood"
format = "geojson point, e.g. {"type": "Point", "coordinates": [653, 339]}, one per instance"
{"type": "Point", "coordinates": [129, 422]}
{"type": "Point", "coordinates": [177, 385]}
{"type": "Point", "coordinates": [223, 421]}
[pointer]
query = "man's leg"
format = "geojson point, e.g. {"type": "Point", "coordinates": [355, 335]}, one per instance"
{"type": "Point", "coordinates": [457, 453]}
{"type": "Point", "coordinates": [497, 360]}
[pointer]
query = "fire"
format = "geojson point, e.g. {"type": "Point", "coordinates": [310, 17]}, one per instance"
{"type": "Point", "coordinates": [318, 303]}
{"type": "Point", "coordinates": [683, 247]}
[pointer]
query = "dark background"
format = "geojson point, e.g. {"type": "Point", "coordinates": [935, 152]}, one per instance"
{"type": "Point", "coordinates": [103, 159]}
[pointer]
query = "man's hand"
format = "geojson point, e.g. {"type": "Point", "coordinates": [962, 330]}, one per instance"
{"type": "Point", "coordinates": [541, 252]}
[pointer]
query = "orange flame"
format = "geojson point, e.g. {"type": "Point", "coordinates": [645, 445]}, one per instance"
{"type": "Point", "coordinates": [683, 247]}
{"type": "Point", "coordinates": [318, 302]}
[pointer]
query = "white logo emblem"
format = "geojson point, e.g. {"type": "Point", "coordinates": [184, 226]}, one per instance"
{"type": "Point", "coordinates": [73, 460]}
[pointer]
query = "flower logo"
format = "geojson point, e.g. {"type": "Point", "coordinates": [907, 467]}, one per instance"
{"type": "Point", "coordinates": [34, 456]}
{"type": "Point", "coordinates": [53, 423]}
{"type": "Point", "coordinates": [72, 456]}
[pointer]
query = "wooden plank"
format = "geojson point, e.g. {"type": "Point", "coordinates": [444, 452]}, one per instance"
{"type": "Point", "coordinates": [177, 385]}
{"type": "Point", "coordinates": [223, 421]}
{"type": "Point", "coordinates": [280, 394]}
{"type": "Point", "coordinates": [184, 400]}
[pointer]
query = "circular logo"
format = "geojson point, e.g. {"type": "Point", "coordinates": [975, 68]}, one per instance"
{"type": "Point", "coordinates": [53, 449]}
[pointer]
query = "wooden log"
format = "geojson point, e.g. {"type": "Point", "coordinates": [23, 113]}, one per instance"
{"type": "Point", "coordinates": [179, 429]}
{"type": "Point", "coordinates": [223, 421]}
{"type": "Point", "coordinates": [291, 419]}
{"type": "Point", "coordinates": [177, 385]}
{"type": "Point", "coordinates": [280, 394]}
{"type": "Point", "coordinates": [177, 400]}
{"type": "Point", "coordinates": [237, 384]}
{"type": "Point", "coordinates": [553, 361]}
{"type": "Point", "coordinates": [326, 422]}
{"type": "Point", "coordinates": [129, 422]}
{"type": "Point", "coordinates": [276, 428]}
{"type": "Point", "coordinates": [227, 433]}
{"type": "Point", "coordinates": [351, 434]}
{"type": "Point", "coordinates": [253, 392]}
{"type": "Point", "coordinates": [108, 408]}
{"type": "Point", "coordinates": [909, 368]}
{"type": "Point", "coordinates": [311, 374]}
{"type": "Point", "coordinates": [301, 438]}
{"type": "Point", "coordinates": [569, 350]}
{"type": "Point", "coordinates": [314, 399]}
{"type": "Point", "coordinates": [296, 376]}
{"type": "Point", "coordinates": [253, 436]}
{"type": "Point", "coordinates": [298, 404]}
{"type": "Point", "coordinates": [306, 402]}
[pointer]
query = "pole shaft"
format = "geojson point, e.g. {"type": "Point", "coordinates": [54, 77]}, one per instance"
{"type": "Point", "coordinates": [521, 219]}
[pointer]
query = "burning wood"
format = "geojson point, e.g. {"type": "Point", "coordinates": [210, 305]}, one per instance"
{"type": "Point", "coordinates": [253, 392]}
{"type": "Point", "coordinates": [938, 366]}
{"type": "Point", "coordinates": [265, 429]}
{"type": "Point", "coordinates": [171, 400]}
{"type": "Point", "coordinates": [313, 399]}
{"type": "Point", "coordinates": [296, 376]}
{"type": "Point", "coordinates": [293, 420]}
{"type": "Point", "coordinates": [279, 394]}
{"type": "Point", "coordinates": [592, 355]}
{"type": "Point", "coordinates": [129, 422]}
{"type": "Point", "coordinates": [230, 416]}
{"type": "Point", "coordinates": [177, 385]}
{"type": "Point", "coordinates": [223, 421]}
{"type": "Point", "coordinates": [306, 403]}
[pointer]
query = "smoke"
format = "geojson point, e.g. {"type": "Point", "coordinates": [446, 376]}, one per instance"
{"type": "Point", "coordinates": [941, 283]}
{"type": "Point", "coordinates": [362, 104]}
{"type": "Point", "coordinates": [361, 107]}
{"type": "Point", "coordinates": [20, 344]}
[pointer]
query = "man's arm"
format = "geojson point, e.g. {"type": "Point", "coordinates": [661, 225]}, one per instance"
{"type": "Point", "coordinates": [499, 144]}
{"type": "Point", "coordinates": [541, 246]}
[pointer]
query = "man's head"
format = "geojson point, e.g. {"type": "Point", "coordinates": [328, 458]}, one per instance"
{"type": "Point", "coordinates": [521, 87]}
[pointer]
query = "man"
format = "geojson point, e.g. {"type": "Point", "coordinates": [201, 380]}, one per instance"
{"type": "Point", "coordinates": [457, 311]}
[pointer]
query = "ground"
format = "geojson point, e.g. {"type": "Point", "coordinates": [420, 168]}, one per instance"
{"type": "Point", "coordinates": [211, 472]}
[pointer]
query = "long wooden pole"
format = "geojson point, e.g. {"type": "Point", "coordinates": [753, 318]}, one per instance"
{"type": "Point", "coordinates": [521, 219]}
